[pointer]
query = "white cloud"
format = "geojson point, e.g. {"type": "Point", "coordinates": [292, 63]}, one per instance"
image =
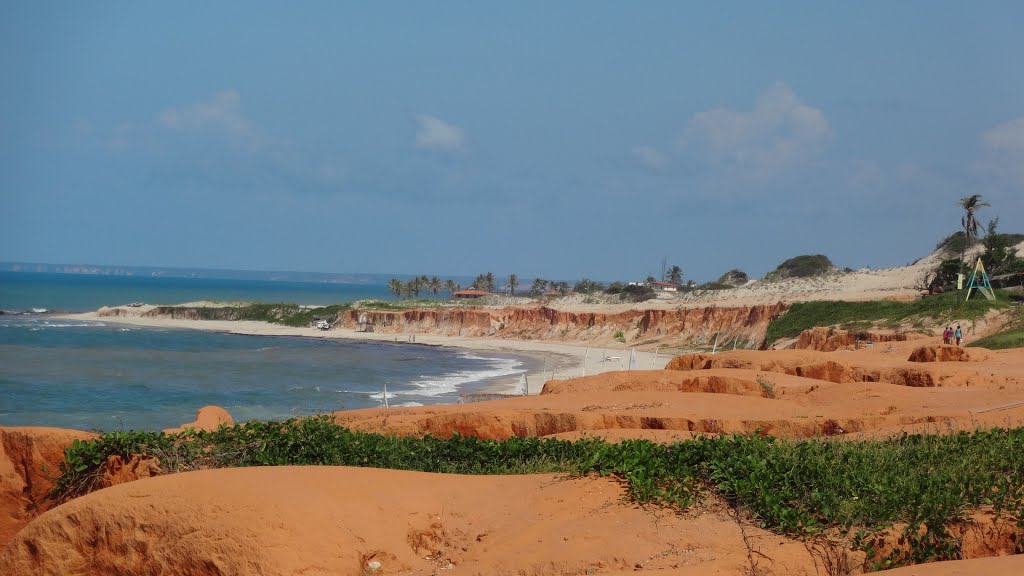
{"type": "Point", "coordinates": [432, 133]}
{"type": "Point", "coordinates": [1008, 136]}
{"type": "Point", "coordinates": [223, 112]}
{"type": "Point", "coordinates": [650, 157]}
{"type": "Point", "coordinates": [1003, 156]}
{"type": "Point", "coordinates": [779, 133]}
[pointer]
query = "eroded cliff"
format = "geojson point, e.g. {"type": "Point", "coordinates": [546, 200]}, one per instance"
{"type": "Point", "coordinates": [743, 326]}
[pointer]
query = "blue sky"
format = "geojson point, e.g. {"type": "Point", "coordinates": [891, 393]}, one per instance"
{"type": "Point", "coordinates": [559, 139]}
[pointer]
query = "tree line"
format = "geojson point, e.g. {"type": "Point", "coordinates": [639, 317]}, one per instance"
{"type": "Point", "coordinates": [487, 282]}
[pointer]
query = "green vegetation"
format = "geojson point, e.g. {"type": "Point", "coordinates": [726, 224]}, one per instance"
{"type": "Point", "coordinates": [796, 487]}
{"type": "Point", "coordinates": [287, 314]}
{"type": "Point", "coordinates": [734, 277]}
{"type": "Point", "coordinates": [802, 267]}
{"type": "Point", "coordinates": [631, 292]}
{"type": "Point", "coordinates": [805, 315]}
{"type": "Point", "coordinates": [1012, 338]}
{"type": "Point", "coordinates": [971, 204]}
{"type": "Point", "coordinates": [1000, 256]}
{"type": "Point", "coordinates": [619, 335]}
{"type": "Point", "coordinates": [414, 286]}
{"type": "Point", "coordinates": [1012, 335]}
{"type": "Point", "coordinates": [956, 243]}
{"type": "Point", "coordinates": [587, 286]}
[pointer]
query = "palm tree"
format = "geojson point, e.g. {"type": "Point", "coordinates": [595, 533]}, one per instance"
{"type": "Point", "coordinates": [675, 275]}
{"type": "Point", "coordinates": [479, 283]}
{"type": "Point", "coordinates": [395, 286]}
{"type": "Point", "coordinates": [489, 278]}
{"type": "Point", "coordinates": [451, 287]}
{"type": "Point", "coordinates": [414, 286]}
{"type": "Point", "coordinates": [513, 283]}
{"type": "Point", "coordinates": [434, 285]}
{"type": "Point", "coordinates": [538, 287]}
{"type": "Point", "coordinates": [970, 204]}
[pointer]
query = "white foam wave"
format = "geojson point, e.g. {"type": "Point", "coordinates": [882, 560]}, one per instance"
{"type": "Point", "coordinates": [75, 325]}
{"type": "Point", "coordinates": [497, 368]}
{"type": "Point", "coordinates": [407, 405]}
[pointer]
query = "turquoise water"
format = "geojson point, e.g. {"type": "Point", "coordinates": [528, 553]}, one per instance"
{"type": "Point", "coordinates": [106, 376]}
{"type": "Point", "coordinates": [83, 293]}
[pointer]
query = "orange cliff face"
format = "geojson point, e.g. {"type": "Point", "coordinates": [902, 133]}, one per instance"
{"type": "Point", "coordinates": [745, 324]}
{"type": "Point", "coordinates": [29, 460]}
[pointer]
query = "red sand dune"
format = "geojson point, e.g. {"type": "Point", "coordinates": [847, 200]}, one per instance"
{"type": "Point", "coordinates": [327, 520]}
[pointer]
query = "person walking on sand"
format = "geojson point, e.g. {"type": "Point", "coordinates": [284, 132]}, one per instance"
{"type": "Point", "coordinates": [945, 335]}
{"type": "Point", "coordinates": [959, 335]}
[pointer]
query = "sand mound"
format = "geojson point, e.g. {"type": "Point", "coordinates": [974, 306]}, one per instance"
{"type": "Point", "coordinates": [944, 354]}
{"type": "Point", "coordinates": [654, 381]}
{"type": "Point", "coordinates": [350, 521]}
{"type": "Point", "coordinates": [208, 418]}
{"type": "Point", "coordinates": [871, 365]}
{"type": "Point", "coordinates": [831, 339]}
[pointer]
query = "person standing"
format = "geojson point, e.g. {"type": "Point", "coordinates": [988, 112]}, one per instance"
{"type": "Point", "coordinates": [959, 335]}
{"type": "Point", "coordinates": [945, 335]}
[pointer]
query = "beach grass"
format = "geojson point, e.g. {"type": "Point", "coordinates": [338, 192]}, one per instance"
{"type": "Point", "coordinates": [801, 488]}
{"type": "Point", "coordinates": [283, 313]}
{"type": "Point", "coordinates": [886, 313]}
{"type": "Point", "coordinates": [1011, 336]}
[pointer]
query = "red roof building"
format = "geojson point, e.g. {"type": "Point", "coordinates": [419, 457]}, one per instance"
{"type": "Point", "coordinates": [666, 286]}
{"type": "Point", "coordinates": [471, 294]}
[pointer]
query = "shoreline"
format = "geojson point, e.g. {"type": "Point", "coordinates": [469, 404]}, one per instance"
{"type": "Point", "coordinates": [553, 360]}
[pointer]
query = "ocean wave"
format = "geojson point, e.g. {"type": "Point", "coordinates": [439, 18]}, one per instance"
{"type": "Point", "coordinates": [449, 384]}
{"type": "Point", "coordinates": [75, 325]}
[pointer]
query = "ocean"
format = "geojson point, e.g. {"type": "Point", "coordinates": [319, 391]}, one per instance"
{"type": "Point", "coordinates": [106, 376]}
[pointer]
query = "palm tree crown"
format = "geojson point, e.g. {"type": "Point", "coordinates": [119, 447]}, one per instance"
{"type": "Point", "coordinates": [970, 204]}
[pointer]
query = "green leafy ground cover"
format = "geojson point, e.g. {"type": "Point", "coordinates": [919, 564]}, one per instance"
{"type": "Point", "coordinates": [1013, 338]}
{"type": "Point", "coordinates": [796, 487]}
{"type": "Point", "coordinates": [806, 315]}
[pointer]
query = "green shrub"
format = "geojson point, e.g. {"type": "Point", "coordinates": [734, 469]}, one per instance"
{"type": "Point", "coordinates": [734, 277]}
{"type": "Point", "coordinates": [637, 293]}
{"type": "Point", "coordinates": [802, 267]}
